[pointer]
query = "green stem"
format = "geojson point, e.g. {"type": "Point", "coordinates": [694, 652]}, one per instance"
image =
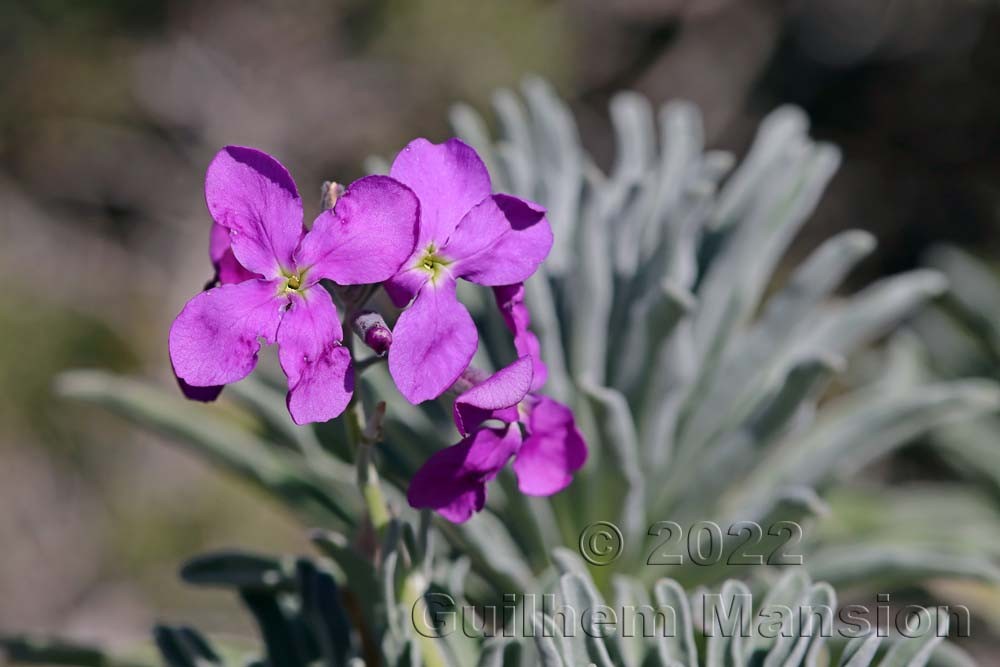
{"type": "Point", "coordinates": [362, 442]}
{"type": "Point", "coordinates": [368, 480]}
{"type": "Point", "coordinates": [376, 506]}
{"type": "Point", "coordinates": [363, 438]}
{"type": "Point", "coordinates": [364, 364]}
{"type": "Point", "coordinates": [413, 599]}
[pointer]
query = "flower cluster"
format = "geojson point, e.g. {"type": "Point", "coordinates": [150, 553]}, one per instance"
{"type": "Point", "coordinates": [416, 232]}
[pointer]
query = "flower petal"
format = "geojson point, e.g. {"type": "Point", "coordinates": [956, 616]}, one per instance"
{"type": "Point", "coordinates": [228, 270]}
{"type": "Point", "coordinates": [510, 300]}
{"type": "Point", "coordinates": [218, 242]}
{"type": "Point", "coordinates": [453, 481]}
{"type": "Point", "coordinates": [448, 179]}
{"type": "Point", "coordinates": [252, 195]}
{"type": "Point", "coordinates": [214, 339]}
{"type": "Point", "coordinates": [500, 241]}
{"type": "Point", "coordinates": [320, 376]}
{"type": "Point", "coordinates": [366, 237]}
{"type": "Point", "coordinates": [203, 394]}
{"type": "Point", "coordinates": [433, 342]}
{"type": "Point", "coordinates": [403, 286]}
{"type": "Point", "coordinates": [552, 451]}
{"type": "Point", "coordinates": [496, 397]}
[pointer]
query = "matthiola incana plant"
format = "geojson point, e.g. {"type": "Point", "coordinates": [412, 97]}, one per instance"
{"type": "Point", "coordinates": [634, 360]}
{"type": "Point", "coordinates": [269, 268]}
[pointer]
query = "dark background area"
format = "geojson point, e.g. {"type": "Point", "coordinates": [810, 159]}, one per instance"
{"type": "Point", "coordinates": [110, 111]}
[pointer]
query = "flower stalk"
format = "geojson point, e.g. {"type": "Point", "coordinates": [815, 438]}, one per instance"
{"type": "Point", "coordinates": [414, 586]}
{"type": "Point", "coordinates": [363, 439]}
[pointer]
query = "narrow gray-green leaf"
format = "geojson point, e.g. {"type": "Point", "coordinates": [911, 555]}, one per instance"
{"type": "Point", "coordinates": [916, 651]}
{"type": "Point", "coordinates": [544, 635]}
{"type": "Point", "coordinates": [677, 646]}
{"type": "Point", "coordinates": [217, 439]}
{"type": "Point", "coordinates": [619, 434]}
{"type": "Point", "coordinates": [860, 651]}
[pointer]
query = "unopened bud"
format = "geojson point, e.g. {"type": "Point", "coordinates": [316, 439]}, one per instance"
{"type": "Point", "coordinates": [329, 194]}
{"type": "Point", "coordinates": [372, 329]}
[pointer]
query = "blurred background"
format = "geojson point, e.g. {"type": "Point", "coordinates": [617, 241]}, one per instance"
{"type": "Point", "coordinates": [110, 111]}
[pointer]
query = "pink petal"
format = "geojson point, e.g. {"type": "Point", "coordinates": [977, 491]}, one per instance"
{"type": "Point", "coordinates": [218, 242]}
{"type": "Point", "coordinates": [453, 481]}
{"type": "Point", "coordinates": [320, 376]}
{"type": "Point", "coordinates": [366, 237]}
{"type": "Point", "coordinates": [227, 269]}
{"type": "Point", "coordinates": [433, 342]}
{"type": "Point", "coordinates": [552, 451]}
{"type": "Point", "coordinates": [203, 394]}
{"type": "Point", "coordinates": [252, 195]}
{"type": "Point", "coordinates": [500, 241]}
{"type": "Point", "coordinates": [403, 286]}
{"type": "Point", "coordinates": [448, 179]}
{"type": "Point", "coordinates": [510, 300]}
{"type": "Point", "coordinates": [496, 397]}
{"type": "Point", "coordinates": [214, 339]}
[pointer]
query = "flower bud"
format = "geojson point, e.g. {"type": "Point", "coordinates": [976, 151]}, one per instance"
{"type": "Point", "coordinates": [372, 329]}
{"type": "Point", "coordinates": [329, 194]}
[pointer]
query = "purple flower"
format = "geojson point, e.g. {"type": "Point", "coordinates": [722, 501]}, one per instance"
{"type": "Point", "coordinates": [465, 231]}
{"type": "Point", "coordinates": [538, 432]}
{"type": "Point", "coordinates": [270, 275]}
{"type": "Point", "coordinates": [227, 269]}
{"type": "Point", "coordinates": [510, 300]}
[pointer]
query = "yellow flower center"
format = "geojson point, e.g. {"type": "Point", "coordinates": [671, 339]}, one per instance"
{"type": "Point", "coordinates": [294, 281]}
{"type": "Point", "coordinates": [432, 263]}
